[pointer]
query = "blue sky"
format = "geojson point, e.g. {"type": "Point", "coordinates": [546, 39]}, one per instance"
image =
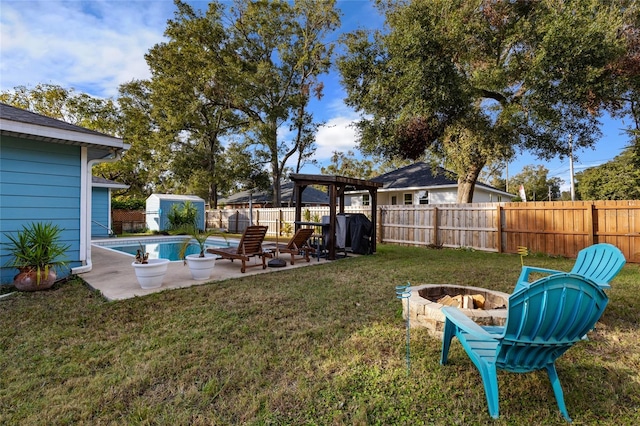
{"type": "Point", "coordinates": [94, 46]}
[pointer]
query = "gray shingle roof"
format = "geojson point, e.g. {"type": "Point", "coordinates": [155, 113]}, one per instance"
{"type": "Point", "coordinates": [416, 175]}
{"type": "Point", "coordinates": [309, 196]}
{"type": "Point", "coordinates": [106, 183]}
{"type": "Point", "coordinates": [420, 175]}
{"type": "Point", "coordinates": [12, 113]}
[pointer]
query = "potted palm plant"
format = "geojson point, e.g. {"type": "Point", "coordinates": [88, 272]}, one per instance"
{"type": "Point", "coordinates": [200, 264]}
{"type": "Point", "coordinates": [36, 252]}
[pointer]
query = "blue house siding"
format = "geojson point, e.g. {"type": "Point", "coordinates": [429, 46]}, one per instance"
{"type": "Point", "coordinates": [34, 174]}
{"type": "Point", "coordinates": [100, 213]}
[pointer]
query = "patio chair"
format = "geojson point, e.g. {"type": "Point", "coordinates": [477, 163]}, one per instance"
{"type": "Point", "coordinates": [250, 245]}
{"type": "Point", "coordinates": [544, 319]}
{"type": "Point", "coordinates": [599, 262]}
{"type": "Point", "coordinates": [298, 246]}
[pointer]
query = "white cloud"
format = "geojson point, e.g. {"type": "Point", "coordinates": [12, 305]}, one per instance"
{"type": "Point", "coordinates": [91, 46]}
{"type": "Point", "coordinates": [338, 134]}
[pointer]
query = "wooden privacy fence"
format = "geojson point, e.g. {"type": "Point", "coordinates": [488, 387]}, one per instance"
{"type": "Point", "coordinates": [555, 228]}
{"type": "Point", "coordinates": [445, 225]}
{"type": "Point", "coordinates": [128, 220]}
{"type": "Point", "coordinates": [564, 228]}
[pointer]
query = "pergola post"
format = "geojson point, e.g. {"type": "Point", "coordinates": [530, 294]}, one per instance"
{"type": "Point", "coordinates": [297, 190]}
{"type": "Point", "coordinates": [373, 196]}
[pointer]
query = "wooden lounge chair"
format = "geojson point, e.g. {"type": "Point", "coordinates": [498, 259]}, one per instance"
{"type": "Point", "coordinates": [298, 245]}
{"type": "Point", "coordinates": [250, 245]}
{"type": "Point", "coordinates": [599, 262]}
{"type": "Point", "coordinates": [544, 319]}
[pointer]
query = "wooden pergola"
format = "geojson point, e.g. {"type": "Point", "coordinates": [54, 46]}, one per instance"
{"type": "Point", "coordinates": [337, 186]}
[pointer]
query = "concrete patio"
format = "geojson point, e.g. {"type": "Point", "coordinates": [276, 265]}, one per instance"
{"type": "Point", "coordinates": [113, 276]}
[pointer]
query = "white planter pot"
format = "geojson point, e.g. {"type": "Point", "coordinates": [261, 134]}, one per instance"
{"type": "Point", "coordinates": [150, 275]}
{"type": "Point", "coordinates": [201, 267]}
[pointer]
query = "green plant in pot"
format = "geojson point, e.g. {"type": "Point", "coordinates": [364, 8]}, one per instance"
{"type": "Point", "coordinates": [36, 252]}
{"type": "Point", "coordinates": [200, 264]}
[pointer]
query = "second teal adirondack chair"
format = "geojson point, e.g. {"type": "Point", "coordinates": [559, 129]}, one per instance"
{"type": "Point", "coordinates": [599, 262]}
{"type": "Point", "coordinates": [544, 320]}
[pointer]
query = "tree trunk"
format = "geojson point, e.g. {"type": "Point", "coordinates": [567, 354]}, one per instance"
{"type": "Point", "coordinates": [213, 195]}
{"type": "Point", "coordinates": [467, 184]}
{"type": "Point", "coordinates": [276, 175]}
{"type": "Point", "coordinates": [276, 171]}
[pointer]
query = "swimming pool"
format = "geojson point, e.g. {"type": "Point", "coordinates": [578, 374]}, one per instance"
{"type": "Point", "coordinates": [160, 247]}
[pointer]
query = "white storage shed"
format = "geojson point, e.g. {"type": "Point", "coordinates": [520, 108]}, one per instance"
{"type": "Point", "coordinates": [159, 206]}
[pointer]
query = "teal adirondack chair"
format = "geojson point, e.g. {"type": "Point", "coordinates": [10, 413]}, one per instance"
{"type": "Point", "coordinates": [544, 320]}
{"type": "Point", "coordinates": [599, 262]}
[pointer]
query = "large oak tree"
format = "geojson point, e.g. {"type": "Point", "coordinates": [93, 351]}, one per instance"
{"type": "Point", "coordinates": [281, 49]}
{"type": "Point", "coordinates": [243, 73]}
{"type": "Point", "coordinates": [476, 81]}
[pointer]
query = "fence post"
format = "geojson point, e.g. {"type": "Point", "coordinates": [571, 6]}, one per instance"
{"type": "Point", "coordinates": [499, 226]}
{"type": "Point", "coordinates": [435, 226]}
{"type": "Point", "coordinates": [591, 211]}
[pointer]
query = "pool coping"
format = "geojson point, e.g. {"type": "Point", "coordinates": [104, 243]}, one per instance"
{"type": "Point", "coordinates": [113, 276]}
{"type": "Point", "coordinates": [132, 241]}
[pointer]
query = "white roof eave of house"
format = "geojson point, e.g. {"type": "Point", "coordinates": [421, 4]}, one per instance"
{"type": "Point", "coordinates": [63, 136]}
{"type": "Point", "coordinates": [431, 188]}
{"type": "Point", "coordinates": [411, 188]}
{"type": "Point", "coordinates": [495, 191]}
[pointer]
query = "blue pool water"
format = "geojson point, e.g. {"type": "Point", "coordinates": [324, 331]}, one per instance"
{"type": "Point", "coordinates": [162, 249]}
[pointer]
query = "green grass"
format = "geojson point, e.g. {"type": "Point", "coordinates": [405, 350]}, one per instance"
{"type": "Point", "coordinates": [323, 345]}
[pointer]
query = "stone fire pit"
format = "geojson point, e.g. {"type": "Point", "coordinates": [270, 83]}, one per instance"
{"type": "Point", "coordinates": [424, 311]}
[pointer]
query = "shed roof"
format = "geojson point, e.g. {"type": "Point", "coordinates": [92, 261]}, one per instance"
{"type": "Point", "coordinates": [176, 197]}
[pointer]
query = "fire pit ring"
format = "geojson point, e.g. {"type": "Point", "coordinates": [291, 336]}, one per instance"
{"type": "Point", "coordinates": [425, 312]}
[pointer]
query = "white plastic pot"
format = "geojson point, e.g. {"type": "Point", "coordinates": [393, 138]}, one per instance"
{"type": "Point", "coordinates": [201, 267]}
{"type": "Point", "coordinates": [150, 275]}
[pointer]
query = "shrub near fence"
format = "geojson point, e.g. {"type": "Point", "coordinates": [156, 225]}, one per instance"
{"type": "Point", "coordinates": [555, 228]}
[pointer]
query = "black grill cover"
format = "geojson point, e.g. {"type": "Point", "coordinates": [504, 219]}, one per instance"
{"type": "Point", "coordinates": [360, 230]}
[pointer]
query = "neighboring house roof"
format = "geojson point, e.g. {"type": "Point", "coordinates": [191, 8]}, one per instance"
{"type": "Point", "coordinates": [310, 195]}
{"type": "Point", "coordinates": [26, 124]}
{"type": "Point", "coordinates": [420, 175]}
{"type": "Point", "coordinates": [98, 182]}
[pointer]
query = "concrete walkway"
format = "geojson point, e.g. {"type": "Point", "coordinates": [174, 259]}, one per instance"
{"type": "Point", "coordinates": [114, 277]}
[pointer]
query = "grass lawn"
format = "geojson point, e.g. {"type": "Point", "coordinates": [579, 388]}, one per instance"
{"type": "Point", "coordinates": [323, 345]}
